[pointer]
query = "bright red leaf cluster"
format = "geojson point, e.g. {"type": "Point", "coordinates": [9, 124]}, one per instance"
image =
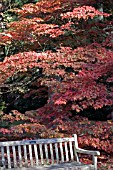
{"type": "Point", "coordinates": [90, 67]}
{"type": "Point", "coordinates": [73, 49]}
{"type": "Point", "coordinates": [83, 12]}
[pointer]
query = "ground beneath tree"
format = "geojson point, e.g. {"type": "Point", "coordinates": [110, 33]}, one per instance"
{"type": "Point", "coordinates": [94, 135]}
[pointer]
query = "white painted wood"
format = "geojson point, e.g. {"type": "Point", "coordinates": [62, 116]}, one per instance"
{"type": "Point", "coordinates": [14, 156]}
{"type": "Point", "coordinates": [66, 151]}
{"type": "Point", "coordinates": [25, 155]}
{"type": "Point", "coordinates": [75, 141]}
{"type": "Point", "coordinates": [38, 141]}
{"type": "Point", "coordinates": [20, 156]}
{"type": "Point", "coordinates": [31, 156]}
{"type": "Point", "coordinates": [51, 152]}
{"type": "Point", "coordinates": [35, 148]}
{"type": "Point", "coordinates": [56, 152]}
{"type": "Point", "coordinates": [41, 154]}
{"type": "Point", "coordinates": [71, 150]}
{"type": "Point", "coordinates": [3, 158]}
{"type": "Point", "coordinates": [75, 148]}
{"type": "Point", "coordinates": [36, 154]}
{"type": "Point", "coordinates": [8, 157]}
{"type": "Point", "coordinates": [61, 151]}
{"type": "Point", "coordinates": [76, 155]}
{"type": "Point", "coordinates": [46, 153]}
{"type": "Point", "coordinates": [96, 153]}
{"type": "Point", "coordinates": [95, 162]}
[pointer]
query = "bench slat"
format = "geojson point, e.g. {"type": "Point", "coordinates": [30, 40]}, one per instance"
{"type": "Point", "coordinates": [14, 156]}
{"type": "Point", "coordinates": [31, 156]}
{"type": "Point", "coordinates": [46, 153]}
{"type": "Point", "coordinates": [56, 152]}
{"type": "Point", "coordinates": [41, 153]}
{"type": "Point", "coordinates": [66, 151]}
{"type": "Point", "coordinates": [25, 155]}
{"type": "Point", "coordinates": [3, 158]}
{"type": "Point", "coordinates": [61, 151]}
{"type": "Point", "coordinates": [51, 152]}
{"type": "Point", "coordinates": [71, 150]}
{"type": "Point", "coordinates": [38, 141]}
{"type": "Point", "coordinates": [36, 154]}
{"type": "Point", "coordinates": [8, 157]}
{"type": "Point", "coordinates": [20, 156]}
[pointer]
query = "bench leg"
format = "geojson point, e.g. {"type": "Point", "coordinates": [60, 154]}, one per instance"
{"type": "Point", "coordinates": [95, 162]}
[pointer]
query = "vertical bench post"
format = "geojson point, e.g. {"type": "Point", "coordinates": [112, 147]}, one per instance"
{"type": "Point", "coordinates": [76, 147]}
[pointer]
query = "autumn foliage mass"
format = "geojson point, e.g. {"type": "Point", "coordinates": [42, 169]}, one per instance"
{"type": "Point", "coordinates": [59, 54]}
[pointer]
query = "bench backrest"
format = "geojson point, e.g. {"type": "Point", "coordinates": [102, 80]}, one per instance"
{"type": "Point", "coordinates": [31, 153]}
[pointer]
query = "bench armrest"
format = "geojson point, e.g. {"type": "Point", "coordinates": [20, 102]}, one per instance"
{"type": "Point", "coordinates": [93, 153]}
{"type": "Point", "coordinates": [96, 153]}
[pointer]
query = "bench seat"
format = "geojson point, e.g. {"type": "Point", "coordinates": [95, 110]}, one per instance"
{"type": "Point", "coordinates": [62, 166]}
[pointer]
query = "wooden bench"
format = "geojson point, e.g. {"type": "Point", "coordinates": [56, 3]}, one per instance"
{"type": "Point", "coordinates": [45, 154]}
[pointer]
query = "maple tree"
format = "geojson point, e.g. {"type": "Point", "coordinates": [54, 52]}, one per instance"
{"type": "Point", "coordinates": [67, 28]}
{"type": "Point", "coordinates": [72, 49]}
